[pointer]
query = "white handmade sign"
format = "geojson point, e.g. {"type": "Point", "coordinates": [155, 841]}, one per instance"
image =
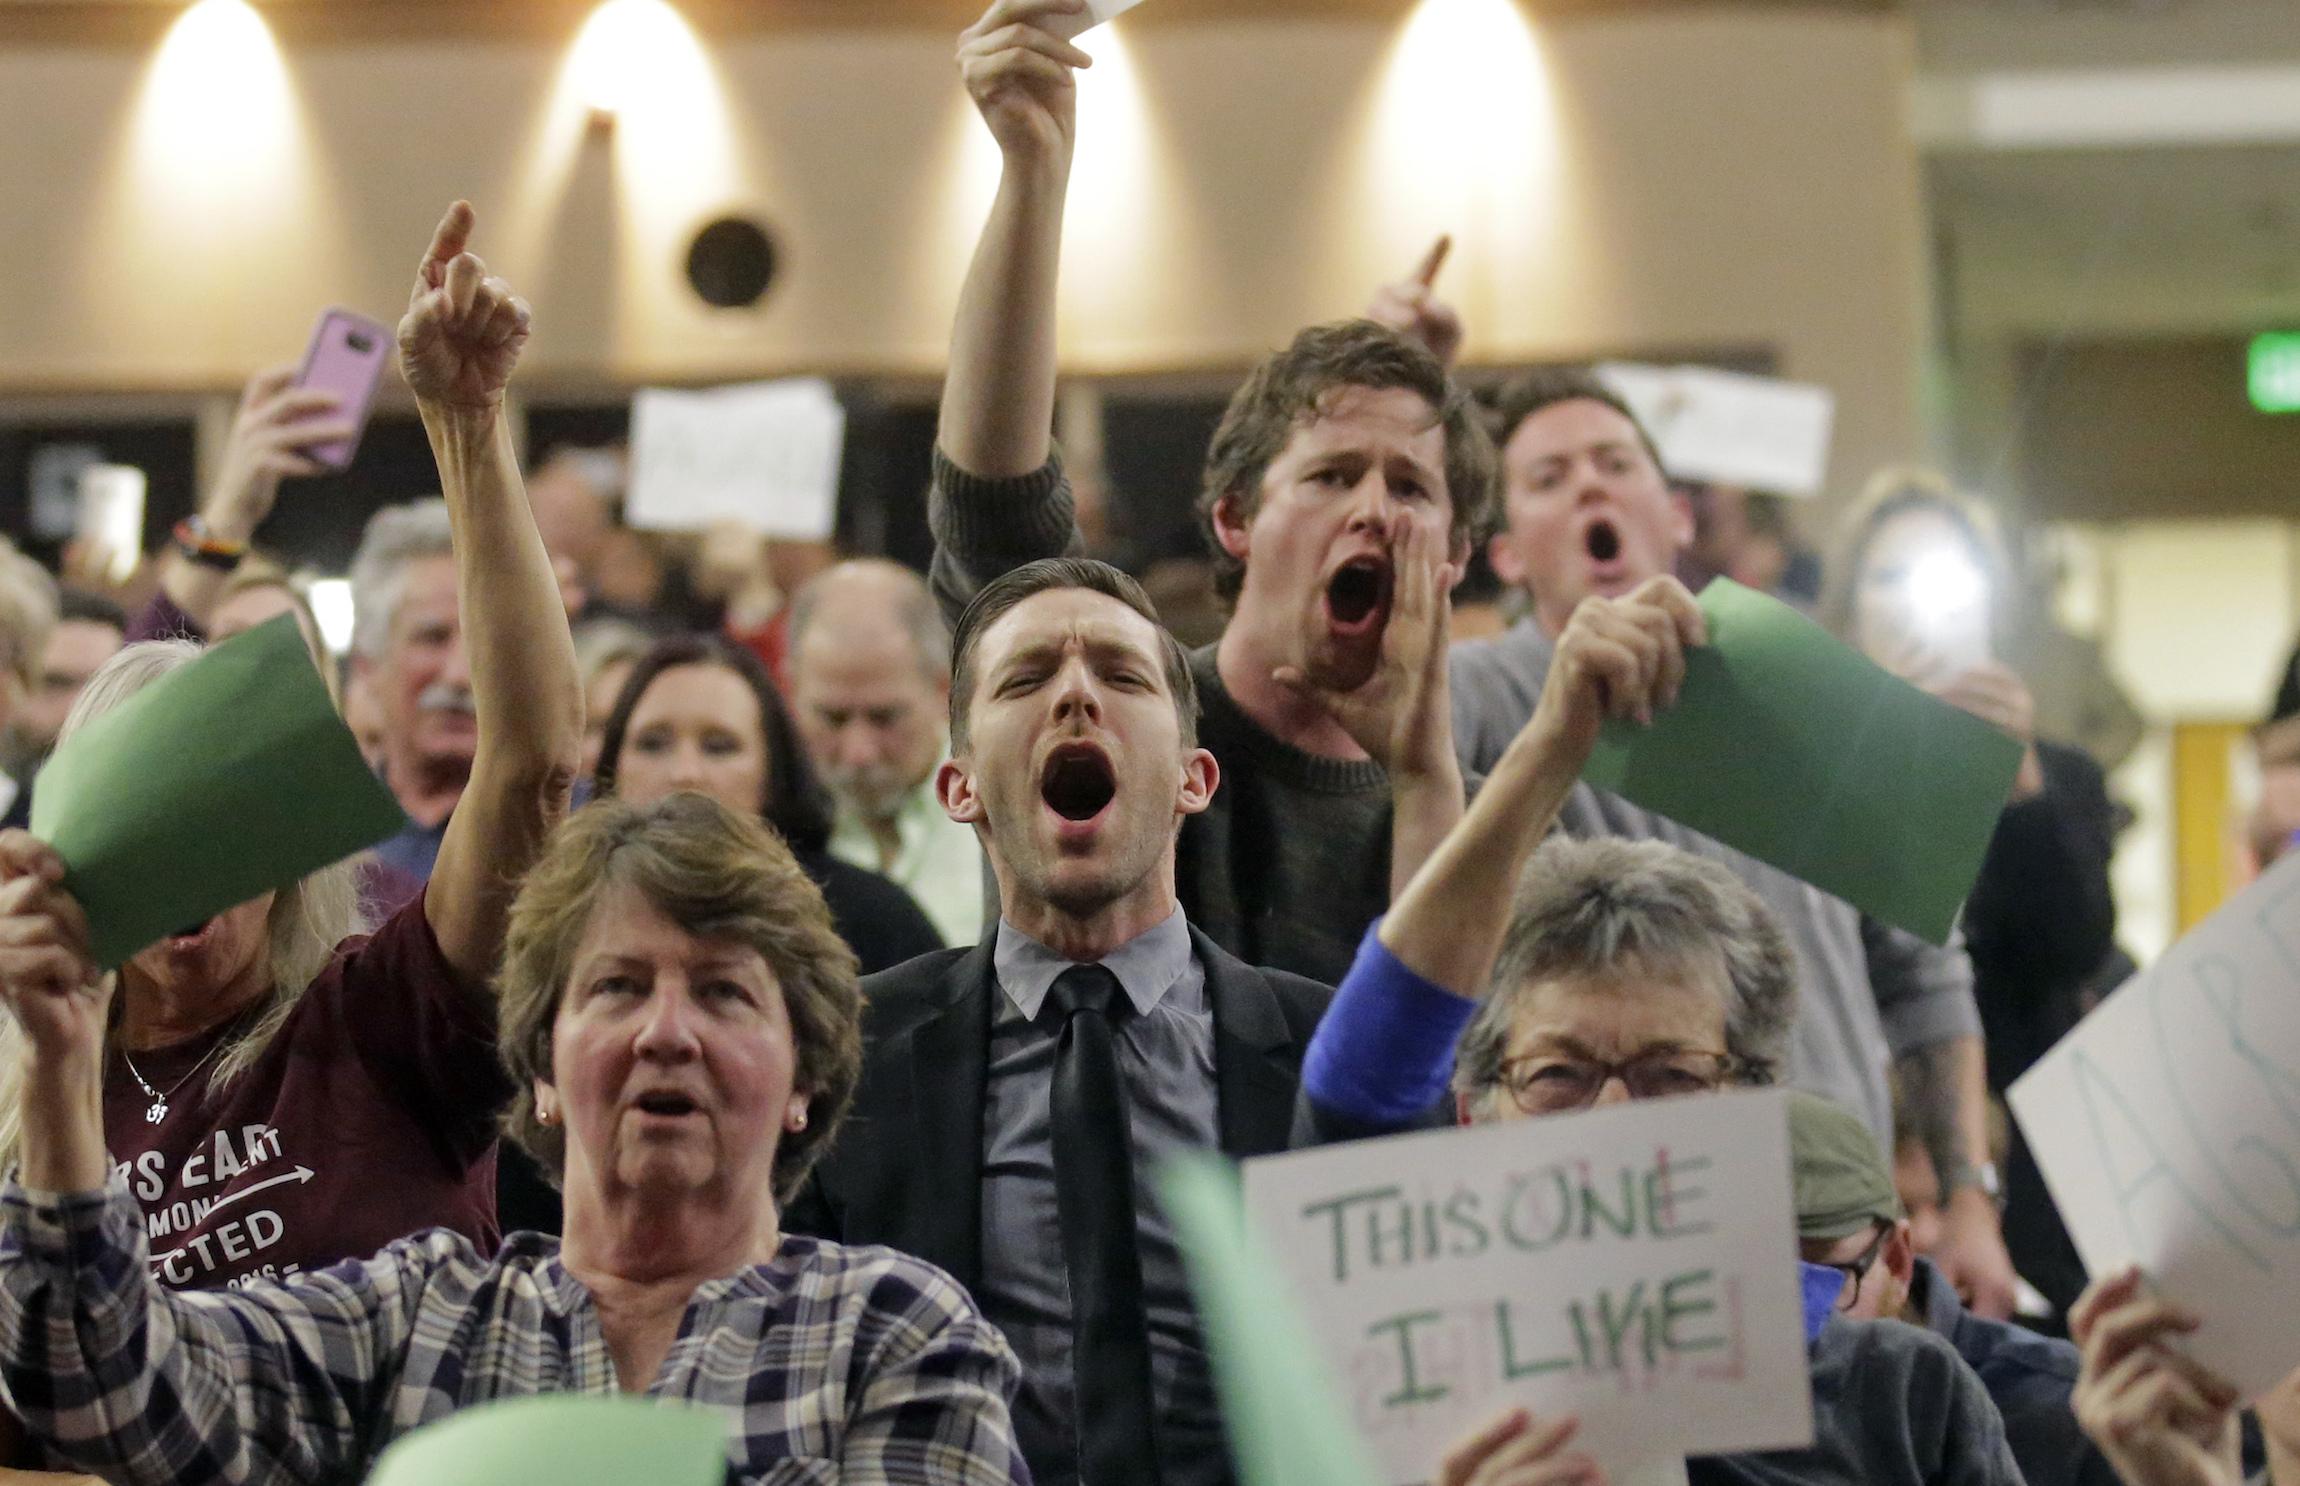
{"type": "Point", "coordinates": [1729, 428]}
{"type": "Point", "coordinates": [765, 454]}
{"type": "Point", "coordinates": [2168, 1127]}
{"type": "Point", "coordinates": [1634, 1265]}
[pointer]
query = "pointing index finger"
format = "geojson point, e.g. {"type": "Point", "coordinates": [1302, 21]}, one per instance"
{"type": "Point", "coordinates": [447, 241]}
{"type": "Point", "coordinates": [1433, 260]}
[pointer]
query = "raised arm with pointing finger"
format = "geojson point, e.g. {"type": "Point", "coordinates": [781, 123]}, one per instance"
{"type": "Point", "coordinates": [461, 337]}
{"type": "Point", "coordinates": [284, 1090]}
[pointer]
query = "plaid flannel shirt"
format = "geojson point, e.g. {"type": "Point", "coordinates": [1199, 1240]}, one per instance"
{"type": "Point", "coordinates": [831, 1363]}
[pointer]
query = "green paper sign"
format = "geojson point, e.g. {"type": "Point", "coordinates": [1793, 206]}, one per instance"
{"type": "Point", "coordinates": [1286, 1423]}
{"type": "Point", "coordinates": [1794, 748]}
{"type": "Point", "coordinates": [563, 1440]}
{"type": "Point", "coordinates": [220, 781]}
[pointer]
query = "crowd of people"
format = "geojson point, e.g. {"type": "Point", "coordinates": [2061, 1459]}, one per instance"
{"type": "Point", "coordinates": [785, 987]}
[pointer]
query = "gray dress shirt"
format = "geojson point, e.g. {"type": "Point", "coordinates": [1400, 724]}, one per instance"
{"type": "Point", "coordinates": [1166, 1061]}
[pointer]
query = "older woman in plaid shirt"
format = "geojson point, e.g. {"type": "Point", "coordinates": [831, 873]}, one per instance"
{"type": "Point", "coordinates": [682, 1021]}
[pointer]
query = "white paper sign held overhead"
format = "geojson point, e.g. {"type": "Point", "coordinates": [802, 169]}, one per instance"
{"type": "Point", "coordinates": [1728, 428]}
{"type": "Point", "coordinates": [765, 454]}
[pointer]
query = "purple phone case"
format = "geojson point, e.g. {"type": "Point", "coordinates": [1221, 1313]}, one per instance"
{"type": "Point", "coordinates": [347, 356]}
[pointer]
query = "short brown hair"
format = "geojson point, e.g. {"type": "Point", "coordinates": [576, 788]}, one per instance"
{"type": "Point", "coordinates": [1545, 387]}
{"type": "Point", "coordinates": [718, 875]}
{"type": "Point", "coordinates": [1046, 574]}
{"type": "Point", "coordinates": [1298, 385]}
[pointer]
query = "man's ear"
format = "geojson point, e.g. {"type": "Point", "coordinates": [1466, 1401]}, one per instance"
{"type": "Point", "coordinates": [1681, 518]}
{"type": "Point", "coordinates": [1901, 1252]}
{"type": "Point", "coordinates": [1501, 555]}
{"type": "Point", "coordinates": [1461, 1110]}
{"type": "Point", "coordinates": [954, 786]}
{"type": "Point", "coordinates": [1231, 529]}
{"type": "Point", "coordinates": [1201, 776]}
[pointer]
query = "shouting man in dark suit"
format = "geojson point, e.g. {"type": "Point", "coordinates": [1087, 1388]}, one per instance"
{"type": "Point", "coordinates": [1017, 1096]}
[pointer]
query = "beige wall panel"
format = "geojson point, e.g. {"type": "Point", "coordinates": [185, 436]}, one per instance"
{"type": "Point", "coordinates": [1672, 179]}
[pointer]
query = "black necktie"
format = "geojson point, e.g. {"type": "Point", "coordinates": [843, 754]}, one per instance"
{"type": "Point", "coordinates": [1094, 1192]}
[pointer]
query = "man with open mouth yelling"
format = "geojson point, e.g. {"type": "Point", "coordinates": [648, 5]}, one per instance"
{"type": "Point", "coordinates": [1589, 514]}
{"type": "Point", "coordinates": [1017, 1096]}
{"type": "Point", "coordinates": [1342, 493]}
{"type": "Point", "coordinates": [1074, 754]}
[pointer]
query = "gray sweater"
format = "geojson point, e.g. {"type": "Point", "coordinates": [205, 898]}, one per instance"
{"type": "Point", "coordinates": [1892, 1406]}
{"type": "Point", "coordinates": [1291, 862]}
{"type": "Point", "coordinates": [1867, 993]}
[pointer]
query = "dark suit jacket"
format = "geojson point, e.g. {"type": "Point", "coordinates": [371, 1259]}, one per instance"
{"type": "Point", "coordinates": [906, 1169]}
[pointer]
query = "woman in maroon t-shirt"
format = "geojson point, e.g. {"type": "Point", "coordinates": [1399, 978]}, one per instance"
{"type": "Point", "coordinates": [278, 1094]}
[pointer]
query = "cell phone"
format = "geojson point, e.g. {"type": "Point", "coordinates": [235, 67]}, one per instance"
{"type": "Point", "coordinates": [347, 356]}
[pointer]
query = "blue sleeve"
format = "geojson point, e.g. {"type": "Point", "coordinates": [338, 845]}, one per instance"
{"type": "Point", "coordinates": [1384, 1050]}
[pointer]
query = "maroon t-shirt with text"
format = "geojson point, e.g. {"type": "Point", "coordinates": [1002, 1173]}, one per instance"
{"type": "Point", "coordinates": [371, 1116]}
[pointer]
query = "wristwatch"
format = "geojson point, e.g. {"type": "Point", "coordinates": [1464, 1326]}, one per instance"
{"type": "Point", "coordinates": [1984, 1176]}
{"type": "Point", "coordinates": [199, 544]}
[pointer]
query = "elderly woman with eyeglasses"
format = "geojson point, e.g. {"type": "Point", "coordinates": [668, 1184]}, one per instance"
{"type": "Point", "coordinates": [1602, 971]}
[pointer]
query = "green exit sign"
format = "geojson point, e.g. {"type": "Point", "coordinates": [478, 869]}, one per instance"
{"type": "Point", "coordinates": [2272, 371]}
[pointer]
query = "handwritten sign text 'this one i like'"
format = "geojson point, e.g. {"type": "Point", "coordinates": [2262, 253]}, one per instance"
{"type": "Point", "coordinates": [1635, 1265]}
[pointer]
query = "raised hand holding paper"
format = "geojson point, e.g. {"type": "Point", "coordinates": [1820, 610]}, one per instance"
{"type": "Point", "coordinates": [1096, 13]}
{"type": "Point", "coordinates": [1635, 1266]}
{"type": "Point", "coordinates": [2168, 1127]}
{"type": "Point", "coordinates": [562, 1441]}
{"type": "Point", "coordinates": [1800, 751]}
{"type": "Point", "coordinates": [219, 781]}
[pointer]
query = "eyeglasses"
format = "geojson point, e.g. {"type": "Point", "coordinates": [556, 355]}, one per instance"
{"type": "Point", "coordinates": [1857, 1270]}
{"type": "Point", "coordinates": [1547, 1083]}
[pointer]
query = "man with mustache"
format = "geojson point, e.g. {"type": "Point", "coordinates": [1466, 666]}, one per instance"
{"type": "Point", "coordinates": [1342, 492]}
{"type": "Point", "coordinates": [407, 651]}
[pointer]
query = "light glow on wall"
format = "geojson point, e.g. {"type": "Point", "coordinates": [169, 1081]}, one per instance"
{"type": "Point", "coordinates": [1129, 229]}
{"type": "Point", "coordinates": [631, 54]}
{"type": "Point", "coordinates": [217, 113]}
{"type": "Point", "coordinates": [668, 145]}
{"type": "Point", "coordinates": [213, 214]}
{"type": "Point", "coordinates": [1466, 140]}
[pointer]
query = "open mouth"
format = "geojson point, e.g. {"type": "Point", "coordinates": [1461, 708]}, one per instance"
{"type": "Point", "coordinates": [1603, 541]}
{"type": "Point", "coordinates": [1078, 782]}
{"type": "Point", "coordinates": [1357, 594]}
{"type": "Point", "coordinates": [191, 935]}
{"type": "Point", "coordinates": [667, 1104]}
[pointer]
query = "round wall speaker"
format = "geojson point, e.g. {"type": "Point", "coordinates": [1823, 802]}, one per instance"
{"type": "Point", "coordinates": [731, 263]}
